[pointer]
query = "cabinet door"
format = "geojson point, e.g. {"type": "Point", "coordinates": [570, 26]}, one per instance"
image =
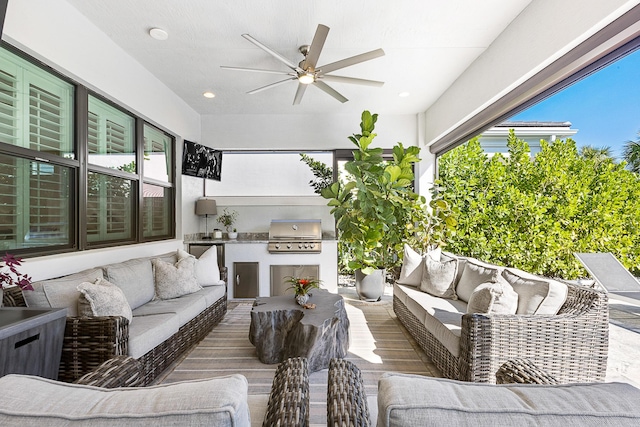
{"type": "Point", "coordinates": [245, 283]}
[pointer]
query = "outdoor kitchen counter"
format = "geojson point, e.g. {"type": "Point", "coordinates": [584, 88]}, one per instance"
{"type": "Point", "coordinates": [249, 238]}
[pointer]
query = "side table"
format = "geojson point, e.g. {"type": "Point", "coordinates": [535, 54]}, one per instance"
{"type": "Point", "coordinates": [31, 340]}
{"type": "Point", "coordinates": [280, 329]}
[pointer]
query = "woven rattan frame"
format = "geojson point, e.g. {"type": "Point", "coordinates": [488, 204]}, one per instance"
{"type": "Point", "coordinates": [289, 398]}
{"type": "Point", "coordinates": [119, 371]}
{"type": "Point", "coordinates": [522, 371]}
{"type": "Point", "coordinates": [571, 346]}
{"type": "Point", "coordinates": [90, 341]}
{"type": "Point", "coordinates": [346, 398]}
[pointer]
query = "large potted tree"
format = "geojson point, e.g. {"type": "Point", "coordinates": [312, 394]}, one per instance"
{"type": "Point", "coordinates": [377, 211]}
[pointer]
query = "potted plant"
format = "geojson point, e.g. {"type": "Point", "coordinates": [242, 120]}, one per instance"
{"type": "Point", "coordinates": [302, 286]}
{"type": "Point", "coordinates": [377, 211]}
{"type": "Point", "coordinates": [227, 219]}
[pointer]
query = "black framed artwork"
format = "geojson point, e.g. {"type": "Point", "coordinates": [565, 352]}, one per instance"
{"type": "Point", "coordinates": [201, 161]}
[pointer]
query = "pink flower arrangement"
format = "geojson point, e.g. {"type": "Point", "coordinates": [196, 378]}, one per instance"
{"type": "Point", "coordinates": [10, 276]}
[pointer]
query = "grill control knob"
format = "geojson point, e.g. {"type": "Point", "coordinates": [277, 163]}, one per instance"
{"type": "Point", "coordinates": [312, 246]}
{"type": "Point", "coordinates": [288, 245]}
{"type": "Point", "coordinates": [306, 246]}
{"type": "Point", "coordinates": [299, 245]}
{"type": "Point", "coordinates": [277, 246]}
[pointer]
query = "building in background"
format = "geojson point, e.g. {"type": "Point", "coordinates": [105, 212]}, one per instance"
{"type": "Point", "coordinates": [494, 140]}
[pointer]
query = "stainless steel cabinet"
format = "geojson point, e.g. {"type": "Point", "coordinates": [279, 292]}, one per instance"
{"type": "Point", "coordinates": [279, 274]}
{"type": "Point", "coordinates": [245, 279]}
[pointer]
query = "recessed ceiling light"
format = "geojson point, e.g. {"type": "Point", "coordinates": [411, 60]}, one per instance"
{"type": "Point", "coordinates": [158, 34]}
{"type": "Point", "coordinates": [209, 94]}
{"type": "Point", "coordinates": [403, 94]}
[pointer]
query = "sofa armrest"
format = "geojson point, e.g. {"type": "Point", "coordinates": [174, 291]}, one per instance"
{"type": "Point", "coordinates": [522, 371]}
{"type": "Point", "coordinates": [12, 296]}
{"type": "Point", "coordinates": [90, 341]}
{"type": "Point", "coordinates": [346, 398]}
{"type": "Point", "coordinates": [119, 371]}
{"type": "Point", "coordinates": [572, 347]}
{"type": "Point", "coordinates": [289, 398]}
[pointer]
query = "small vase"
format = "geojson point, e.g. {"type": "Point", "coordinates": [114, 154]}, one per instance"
{"type": "Point", "coordinates": [302, 299]}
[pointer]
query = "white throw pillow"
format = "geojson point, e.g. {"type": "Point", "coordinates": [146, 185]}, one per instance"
{"type": "Point", "coordinates": [475, 273]}
{"type": "Point", "coordinates": [207, 268]}
{"type": "Point", "coordinates": [493, 298]}
{"type": "Point", "coordinates": [102, 298]}
{"type": "Point", "coordinates": [438, 276]}
{"type": "Point", "coordinates": [412, 265]}
{"type": "Point", "coordinates": [536, 295]}
{"type": "Point", "coordinates": [173, 281]}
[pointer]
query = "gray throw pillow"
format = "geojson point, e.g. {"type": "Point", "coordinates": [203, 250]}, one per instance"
{"type": "Point", "coordinates": [536, 295]}
{"type": "Point", "coordinates": [438, 276]}
{"type": "Point", "coordinates": [493, 298]}
{"type": "Point", "coordinates": [475, 273]}
{"type": "Point", "coordinates": [173, 281]}
{"type": "Point", "coordinates": [102, 298]}
{"type": "Point", "coordinates": [413, 264]}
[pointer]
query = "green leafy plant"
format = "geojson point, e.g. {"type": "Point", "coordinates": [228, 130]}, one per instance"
{"type": "Point", "coordinates": [227, 219]}
{"type": "Point", "coordinates": [323, 174]}
{"type": "Point", "coordinates": [534, 212]}
{"type": "Point", "coordinates": [375, 207]}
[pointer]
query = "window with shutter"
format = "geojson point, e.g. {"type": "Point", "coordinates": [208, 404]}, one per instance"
{"type": "Point", "coordinates": [111, 137]}
{"type": "Point", "coordinates": [41, 208]}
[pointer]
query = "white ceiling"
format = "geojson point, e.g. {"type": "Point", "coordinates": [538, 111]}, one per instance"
{"type": "Point", "coordinates": [428, 44]}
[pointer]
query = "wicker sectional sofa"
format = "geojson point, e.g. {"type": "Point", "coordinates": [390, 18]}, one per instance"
{"type": "Point", "coordinates": [159, 332]}
{"type": "Point", "coordinates": [561, 327]}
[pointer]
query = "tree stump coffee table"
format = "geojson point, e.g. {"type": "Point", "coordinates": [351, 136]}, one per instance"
{"type": "Point", "coordinates": [280, 328]}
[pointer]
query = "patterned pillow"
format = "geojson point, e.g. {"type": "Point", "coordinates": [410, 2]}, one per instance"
{"type": "Point", "coordinates": [173, 281]}
{"type": "Point", "coordinates": [493, 298]}
{"type": "Point", "coordinates": [438, 276]}
{"type": "Point", "coordinates": [102, 298]}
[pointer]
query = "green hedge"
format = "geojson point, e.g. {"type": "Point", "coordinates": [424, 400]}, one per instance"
{"type": "Point", "coordinates": [535, 212]}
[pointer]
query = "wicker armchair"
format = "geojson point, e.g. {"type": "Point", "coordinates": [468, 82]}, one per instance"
{"type": "Point", "coordinates": [90, 341]}
{"type": "Point", "coordinates": [572, 345]}
{"type": "Point", "coordinates": [289, 398]}
{"type": "Point", "coordinates": [346, 399]}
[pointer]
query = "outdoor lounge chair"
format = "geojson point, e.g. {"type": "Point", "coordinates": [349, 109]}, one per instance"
{"type": "Point", "coordinates": [611, 275]}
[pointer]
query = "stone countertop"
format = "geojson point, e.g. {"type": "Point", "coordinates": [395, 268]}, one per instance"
{"type": "Point", "coordinates": [245, 238]}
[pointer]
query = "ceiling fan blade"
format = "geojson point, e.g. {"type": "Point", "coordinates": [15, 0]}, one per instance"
{"type": "Point", "coordinates": [353, 80]}
{"type": "Point", "coordinates": [256, 70]}
{"type": "Point", "coordinates": [269, 86]}
{"type": "Point", "coordinates": [272, 53]}
{"type": "Point", "coordinates": [299, 93]}
{"type": "Point", "coordinates": [331, 91]}
{"type": "Point", "coordinates": [351, 61]}
{"type": "Point", "coordinates": [316, 46]}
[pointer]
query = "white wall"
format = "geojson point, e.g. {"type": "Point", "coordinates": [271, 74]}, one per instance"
{"type": "Point", "coordinates": [55, 33]}
{"type": "Point", "coordinates": [544, 32]}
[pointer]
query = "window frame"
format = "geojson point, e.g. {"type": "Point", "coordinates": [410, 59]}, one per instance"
{"type": "Point", "coordinates": [81, 168]}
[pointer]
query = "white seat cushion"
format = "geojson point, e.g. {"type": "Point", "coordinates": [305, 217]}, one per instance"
{"type": "Point", "coordinates": [147, 332]}
{"type": "Point", "coordinates": [185, 307]}
{"type": "Point", "coordinates": [220, 401]}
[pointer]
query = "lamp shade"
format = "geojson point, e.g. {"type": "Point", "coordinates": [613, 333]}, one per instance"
{"type": "Point", "coordinates": [206, 206]}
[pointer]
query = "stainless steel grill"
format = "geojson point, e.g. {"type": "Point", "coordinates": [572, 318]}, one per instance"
{"type": "Point", "coordinates": [295, 236]}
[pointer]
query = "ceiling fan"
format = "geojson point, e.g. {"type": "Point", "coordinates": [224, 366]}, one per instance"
{"type": "Point", "coordinates": [307, 72]}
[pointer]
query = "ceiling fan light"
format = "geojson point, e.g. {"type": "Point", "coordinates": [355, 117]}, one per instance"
{"type": "Point", "coordinates": [306, 78]}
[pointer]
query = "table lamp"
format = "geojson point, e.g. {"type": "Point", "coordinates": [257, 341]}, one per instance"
{"type": "Point", "coordinates": [206, 206]}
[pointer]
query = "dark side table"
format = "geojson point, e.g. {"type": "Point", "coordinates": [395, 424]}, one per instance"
{"type": "Point", "coordinates": [31, 340]}
{"type": "Point", "coordinates": [280, 328]}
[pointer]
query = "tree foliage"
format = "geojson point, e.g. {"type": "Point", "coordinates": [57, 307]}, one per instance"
{"type": "Point", "coordinates": [533, 213]}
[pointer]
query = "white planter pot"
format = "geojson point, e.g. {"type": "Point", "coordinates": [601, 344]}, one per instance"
{"type": "Point", "coordinates": [233, 235]}
{"type": "Point", "coordinates": [370, 287]}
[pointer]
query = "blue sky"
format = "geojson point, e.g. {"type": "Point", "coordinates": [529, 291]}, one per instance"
{"type": "Point", "coordinates": [604, 107]}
